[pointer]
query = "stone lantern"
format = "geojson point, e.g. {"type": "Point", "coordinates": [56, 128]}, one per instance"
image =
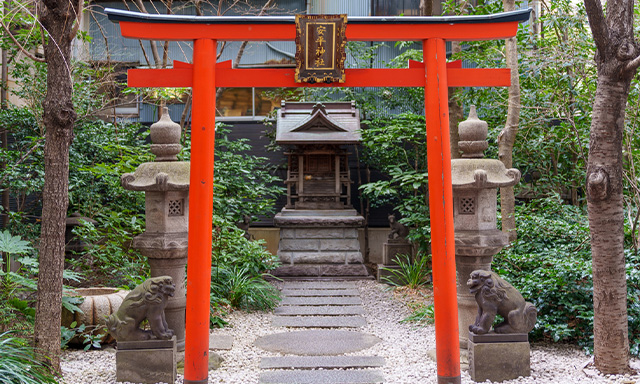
{"type": "Point", "coordinates": [164, 242]}
{"type": "Point", "coordinates": [475, 181]}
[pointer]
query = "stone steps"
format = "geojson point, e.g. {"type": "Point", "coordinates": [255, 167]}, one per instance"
{"type": "Point", "coordinates": [321, 362]}
{"type": "Point", "coordinates": [319, 292]}
{"type": "Point", "coordinates": [315, 354]}
{"type": "Point", "coordinates": [319, 285]}
{"type": "Point", "coordinates": [321, 300]}
{"type": "Point", "coordinates": [307, 310]}
{"type": "Point", "coordinates": [322, 377]}
{"type": "Point", "coordinates": [319, 321]}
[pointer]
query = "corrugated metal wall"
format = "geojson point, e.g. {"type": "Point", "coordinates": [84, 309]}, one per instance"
{"type": "Point", "coordinates": [332, 7]}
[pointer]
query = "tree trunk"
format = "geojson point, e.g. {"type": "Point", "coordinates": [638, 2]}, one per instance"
{"type": "Point", "coordinates": [606, 223]}
{"type": "Point", "coordinates": [59, 117]}
{"type": "Point", "coordinates": [617, 58]}
{"type": "Point", "coordinates": [426, 7]}
{"type": "Point", "coordinates": [507, 137]}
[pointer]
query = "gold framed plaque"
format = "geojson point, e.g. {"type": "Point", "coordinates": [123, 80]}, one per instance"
{"type": "Point", "coordinates": [320, 41]}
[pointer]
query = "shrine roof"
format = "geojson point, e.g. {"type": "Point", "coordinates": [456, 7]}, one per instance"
{"type": "Point", "coordinates": [319, 123]}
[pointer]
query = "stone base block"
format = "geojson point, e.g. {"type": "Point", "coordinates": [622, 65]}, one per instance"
{"type": "Point", "coordinates": [150, 361]}
{"type": "Point", "coordinates": [321, 270]}
{"type": "Point", "coordinates": [498, 357]}
{"type": "Point", "coordinates": [391, 251]}
{"type": "Point", "coordinates": [385, 273]}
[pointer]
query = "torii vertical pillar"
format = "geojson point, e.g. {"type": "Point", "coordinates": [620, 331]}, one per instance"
{"type": "Point", "coordinates": [203, 120]}
{"type": "Point", "coordinates": [441, 210]}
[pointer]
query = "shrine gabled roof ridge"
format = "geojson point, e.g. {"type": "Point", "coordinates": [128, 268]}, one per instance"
{"type": "Point", "coordinates": [117, 15]}
{"type": "Point", "coordinates": [319, 116]}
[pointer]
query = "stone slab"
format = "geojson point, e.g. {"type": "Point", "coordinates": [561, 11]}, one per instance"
{"type": "Point", "coordinates": [499, 361]}
{"type": "Point", "coordinates": [319, 321]}
{"type": "Point", "coordinates": [146, 344]}
{"type": "Point", "coordinates": [147, 365]}
{"type": "Point", "coordinates": [339, 245]}
{"type": "Point", "coordinates": [324, 362]}
{"type": "Point", "coordinates": [305, 310]}
{"type": "Point", "coordinates": [321, 270]}
{"type": "Point", "coordinates": [215, 361]}
{"type": "Point", "coordinates": [319, 292]}
{"type": "Point", "coordinates": [319, 285]}
{"type": "Point", "coordinates": [224, 342]}
{"type": "Point", "coordinates": [499, 337]}
{"type": "Point", "coordinates": [317, 342]}
{"type": "Point", "coordinates": [326, 300]}
{"type": "Point", "coordinates": [322, 377]}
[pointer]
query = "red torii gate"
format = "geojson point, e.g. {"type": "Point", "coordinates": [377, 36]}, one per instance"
{"type": "Point", "coordinates": [204, 75]}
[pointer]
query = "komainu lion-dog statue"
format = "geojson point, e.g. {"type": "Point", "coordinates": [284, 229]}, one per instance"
{"type": "Point", "coordinates": [496, 296]}
{"type": "Point", "coordinates": [147, 301]}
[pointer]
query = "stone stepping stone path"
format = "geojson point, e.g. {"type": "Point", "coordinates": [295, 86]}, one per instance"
{"type": "Point", "coordinates": [314, 350]}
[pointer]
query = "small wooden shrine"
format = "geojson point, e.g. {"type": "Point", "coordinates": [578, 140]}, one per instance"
{"type": "Point", "coordinates": [318, 226]}
{"type": "Point", "coordinates": [318, 174]}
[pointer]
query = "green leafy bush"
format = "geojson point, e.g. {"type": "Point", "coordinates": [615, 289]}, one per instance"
{"type": "Point", "coordinates": [550, 263]}
{"type": "Point", "coordinates": [242, 289]}
{"type": "Point", "coordinates": [112, 260]}
{"type": "Point", "coordinates": [397, 148]}
{"type": "Point", "coordinates": [238, 268]}
{"type": "Point", "coordinates": [19, 363]}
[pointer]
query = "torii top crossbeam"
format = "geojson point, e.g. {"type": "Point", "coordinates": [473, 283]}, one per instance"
{"type": "Point", "coordinates": [204, 75]}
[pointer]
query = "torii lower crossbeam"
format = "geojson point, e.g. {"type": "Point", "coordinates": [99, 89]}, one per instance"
{"type": "Point", "coordinates": [204, 75]}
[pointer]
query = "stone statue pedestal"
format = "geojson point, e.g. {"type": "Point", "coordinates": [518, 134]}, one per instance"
{"type": "Point", "coordinates": [498, 357]}
{"type": "Point", "coordinates": [394, 247]}
{"type": "Point", "coordinates": [390, 251]}
{"type": "Point", "coordinates": [148, 361]}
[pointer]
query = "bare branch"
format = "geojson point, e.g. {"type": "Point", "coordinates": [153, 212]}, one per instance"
{"type": "Point", "coordinates": [633, 64]}
{"type": "Point", "coordinates": [264, 9]}
{"type": "Point", "coordinates": [144, 51]}
{"type": "Point", "coordinates": [152, 43]}
{"type": "Point", "coordinates": [79, 13]}
{"type": "Point", "coordinates": [598, 25]}
{"type": "Point", "coordinates": [104, 36]}
{"type": "Point", "coordinates": [20, 47]}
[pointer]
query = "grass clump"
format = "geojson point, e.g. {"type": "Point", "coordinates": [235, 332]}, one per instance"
{"type": "Point", "coordinates": [19, 363]}
{"type": "Point", "coordinates": [411, 273]}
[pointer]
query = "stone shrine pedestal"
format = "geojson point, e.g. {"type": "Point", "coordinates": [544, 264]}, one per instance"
{"type": "Point", "coordinates": [319, 243]}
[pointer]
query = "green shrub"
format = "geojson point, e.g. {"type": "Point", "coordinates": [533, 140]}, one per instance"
{"type": "Point", "coordinates": [242, 289]}
{"type": "Point", "coordinates": [238, 268]}
{"type": "Point", "coordinates": [19, 363]}
{"type": "Point", "coordinates": [550, 263]}
{"type": "Point", "coordinates": [112, 260]}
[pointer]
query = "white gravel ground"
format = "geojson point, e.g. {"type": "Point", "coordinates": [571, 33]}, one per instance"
{"type": "Point", "coordinates": [404, 347]}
